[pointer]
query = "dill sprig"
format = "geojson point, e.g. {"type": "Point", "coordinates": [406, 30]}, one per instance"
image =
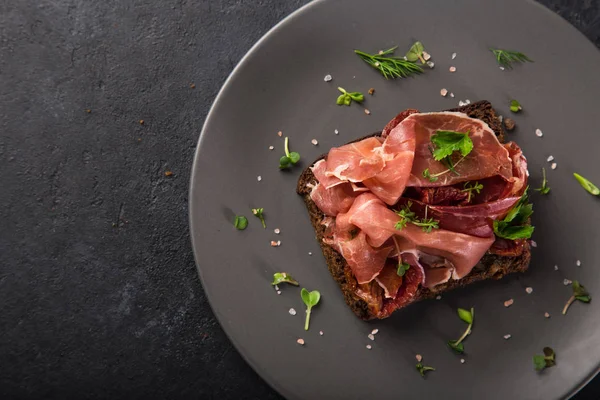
{"type": "Point", "coordinates": [389, 66]}
{"type": "Point", "coordinates": [505, 58]}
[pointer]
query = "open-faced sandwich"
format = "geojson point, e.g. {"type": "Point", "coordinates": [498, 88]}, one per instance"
{"type": "Point", "coordinates": [433, 202]}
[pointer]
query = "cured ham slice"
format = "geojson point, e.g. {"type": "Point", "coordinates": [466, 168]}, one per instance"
{"type": "Point", "coordinates": [488, 157]}
{"type": "Point", "coordinates": [372, 216]}
{"type": "Point", "coordinates": [333, 201]}
{"type": "Point", "coordinates": [319, 170]}
{"type": "Point", "coordinates": [389, 280]}
{"type": "Point", "coordinates": [357, 161]}
{"type": "Point", "coordinates": [397, 119]}
{"type": "Point", "coordinates": [365, 261]}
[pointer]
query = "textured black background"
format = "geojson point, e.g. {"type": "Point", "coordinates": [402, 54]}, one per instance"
{"type": "Point", "coordinates": [99, 295]}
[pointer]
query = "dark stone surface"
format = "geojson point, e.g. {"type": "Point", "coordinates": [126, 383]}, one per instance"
{"type": "Point", "coordinates": [99, 292]}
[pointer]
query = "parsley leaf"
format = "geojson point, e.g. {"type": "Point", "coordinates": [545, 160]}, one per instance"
{"type": "Point", "coordinates": [416, 53]}
{"type": "Point", "coordinates": [447, 142]}
{"type": "Point", "coordinates": [426, 174]}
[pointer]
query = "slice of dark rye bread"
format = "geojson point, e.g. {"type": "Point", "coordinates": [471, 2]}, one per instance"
{"type": "Point", "coordinates": [491, 266]}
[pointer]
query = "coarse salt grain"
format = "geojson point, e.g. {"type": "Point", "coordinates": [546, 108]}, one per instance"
{"type": "Point", "coordinates": [336, 132]}
{"type": "Point", "coordinates": [259, 178]}
{"type": "Point", "coordinates": [279, 292]}
{"type": "Point", "coordinates": [578, 263]}
{"type": "Point", "coordinates": [292, 311]}
{"type": "Point", "coordinates": [547, 315]}
{"type": "Point", "coordinates": [276, 287]}
{"type": "Point", "coordinates": [461, 103]}
{"type": "Point", "coordinates": [452, 69]}
{"type": "Point", "coordinates": [374, 331]}
{"type": "Point", "coordinates": [566, 282]}
{"type": "Point", "coordinates": [271, 147]}
{"type": "Point", "coordinates": [500, 118]}
{"type": "Point", "coordinates": [280, 134]}
{"type": "Point", "coordinates": [451, 94]}
{"type": "Point", "coordinates": [277, 231]}
{"type": "Point", "coordinates": [453, 56]}
{"type": "Point", "coordinates": [467, 102]}
{"type": "Point", "coordinates": [529, 290]}
{"type": "Point", "coordinates": [419, 357]}
{"type": "Point", "coordinates": [550, 158]}
{"type": "Point", "coordinates": [462, 360]}
{"type": "Point", "coordinates": [314, 141]}
{"type": "Point", "coordinates": [556, 267]}
{"type": "Point", "coordinates": [438, 297]}
{"type": "Point", "coordinates": [508, 303]}
{"type": "Point", "coordinates": [371, 336]}
{"type": "Point", "coordinates": [553, 166]}
{"type": "Point", "coordinates": [369, 347]}
{"type": "Point", "coordinates": [506, 337]}
{"type": "Point", "coordinates": [327, 78]}
{"type": "Point", "coordinates": [426, 56]}
{"type": "Point", "coordinates": [367, 111]}
{"type": "Point", "coordinates": [310, 253]}
{"type": "Point", "coordinates": [539, 133]}
{"type": "Point", "coordinates": [501, 68]}
{"type": "Point", "coordinates": [321, 333]}
{"type": "Point", "coordinates": [430, 64]}
{"type": "Point", "coordinates": [274, 243]}
{"type": "Point", "coordinates": [300, 342]}
{"type": "Point", "coordinates": [533, 243]}
{"type": "Point", "coordinates": [279, 243]}
{"type": "Point", "coordinates": [444, 92]}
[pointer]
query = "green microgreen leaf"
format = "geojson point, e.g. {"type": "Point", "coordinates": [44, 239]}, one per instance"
{"type": "Point", "coordinates": [427, 224]}
{"type": "Point", "coordinates": [240, 222]}
{"type": "Point", "coordinates": [540, 362]}
{"type": "Point", "coordinates": [346, 98]}
{"type": "Point", "coordinates": [579, 293]}
{"type": "Point", "coordinates": [506, 58]}
{"type": "Point", "coordinates": [402, 268]}
{"type": "Point", "coordinates": [390, 67]}
{"type": "Point", "coordinates": [545, 188]}
{"type": "Point", "coordinates": [416, 53]}
{"type": "Point", "coordinates": [587, 185]}
{"type": "Point", "coordinates": [259, 213]}
{"type": "Point", "coordinates": [469, 318]}
{"type": "Point", "coordinates": [427, 175]}
{"type": "Point", "coordinates": [423, 369]}
{"type": "Point", "coordinates": [290, 158]}
{"type": "Point", "coordinates": [310, 299]}
{"type": "Point", "coordinates": [515, 106]}
{"type": "Point", "coordinates": [283, 277]}
{"type": "Point", "coordinates": [340, 100]}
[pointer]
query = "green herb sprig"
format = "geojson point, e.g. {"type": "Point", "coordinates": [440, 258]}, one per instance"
{"type": "Point", "coordinates": [290, 158]}
{"type": "Point", "coordinates": [423, 368]}
{"type": "Point", "coordinates": [587, 185]}
{"type": "Point", "coordinates": [468, 317]}
{"type": "Point", "coordinates": [345, 99]}
{"type": "Point", "coordinates": [515, 106]}
{"type": "Point", "coordinates": [408, 216]}
{"type": "Point", "coordinates": [470, 188]}
{"type": "Point", "coordinates": [579, 293]}
{"type": "Point", "coordinates": [545, 188]}
{"type": "Point", "coordinates": [283, 277]}
{"type": "Point", "coordinates": [311, 299]}
{"type": "Point", "coordinates": [506, 58]}
{"type": "Point", "coordinates": [446, 143]}
{"type": "Point", "coordinates": [240, 222]}
{"type": "Point", "coordinates": [389, 66]}
{"type": "Point", "coordinates": [514, 225]}
{"type": "Point", "coordinates": [546, 361]}
{"type": "Point", "coordinates": [259, 213]}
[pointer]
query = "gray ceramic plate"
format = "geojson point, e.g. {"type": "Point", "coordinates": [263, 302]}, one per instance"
{"type": "Point", "coordinates": [279, 86]}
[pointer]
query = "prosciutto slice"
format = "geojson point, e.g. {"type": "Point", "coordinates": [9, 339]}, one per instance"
{"type": "Point", "coordinates": [338, 198]}
{"type": "Point", "coordinates": [355, 162]}
{"type": "Point", "coordinates": [488, 157]}
{"type": "Point", "coordinates": [365, 261]}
